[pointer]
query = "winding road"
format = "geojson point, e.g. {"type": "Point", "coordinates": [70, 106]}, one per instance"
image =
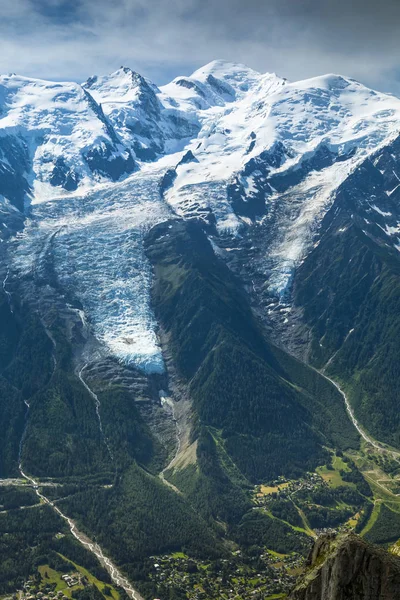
{"type": "Point", "coordinates": [378, 445]}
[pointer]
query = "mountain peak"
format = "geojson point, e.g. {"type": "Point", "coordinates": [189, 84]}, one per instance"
{"type": "Point", "coordinates": [124, 83]}
{"type": "Point", "coordinates": [239, 77]}
{"type": "Point", "coordinates": [221, 66]}
{"type": "Point", "coordinates": [125, 69]}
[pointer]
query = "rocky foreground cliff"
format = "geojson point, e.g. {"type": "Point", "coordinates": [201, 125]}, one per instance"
{"type": "Point", "coordinates": [348, 568]}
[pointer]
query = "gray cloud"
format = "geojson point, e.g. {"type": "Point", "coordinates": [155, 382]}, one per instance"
{"type": "Point", "coordinates": [72, 39]}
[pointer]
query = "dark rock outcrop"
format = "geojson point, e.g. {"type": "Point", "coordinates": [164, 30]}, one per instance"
{"type": "Point", "coordinates": [104, 161]}
{"type": "Point", "coordinates": [64, 176]}
{"type": "Point", "coordinates": [15, 162]}
{"type": "Point", "coordinates": [348, 568]}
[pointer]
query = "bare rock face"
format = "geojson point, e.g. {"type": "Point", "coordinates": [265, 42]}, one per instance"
{"type": "Point", "coordinates": [348, 568]}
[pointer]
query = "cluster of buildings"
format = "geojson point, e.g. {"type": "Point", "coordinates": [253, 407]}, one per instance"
{"type": "Point", "coordinates": [72, 579]}
{"type": "Point", "coordinates": [285, 489]}
{"type": "Point", "coordinates": [47, 596]}
{"type": "Point", "coordinates": [28, 593]}
{"type": "Point", "coordinates": [30, 589]}
{"type": "Point", "coordinates": [231, 580]}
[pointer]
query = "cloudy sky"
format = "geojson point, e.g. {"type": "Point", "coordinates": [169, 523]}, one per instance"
{"type": "Point", "coordinates": [73, 39]}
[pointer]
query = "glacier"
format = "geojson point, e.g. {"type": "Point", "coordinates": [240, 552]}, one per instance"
{"type": "Point", "coordinates": [243, 150]}
{"type": "Point", "coordinates": [97, 250]}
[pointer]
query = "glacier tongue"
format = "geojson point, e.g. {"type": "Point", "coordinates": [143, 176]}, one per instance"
{"type": "Point", "coordinates": [97, 254]}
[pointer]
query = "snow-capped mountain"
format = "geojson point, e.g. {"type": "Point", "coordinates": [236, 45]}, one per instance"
{"type": "Point", "coordinates": [137, 112]}
{"type": "Point", "coordinates": [96, 165]}
{"type": "Point", "coordinates": [59, 138]}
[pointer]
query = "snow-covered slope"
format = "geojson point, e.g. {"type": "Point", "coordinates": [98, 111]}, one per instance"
{"type": "Point", "coordinates": [281, 147]}
{"type": "Point", "coordinates": [133, 106]}
{"type": "Point", "coordinates": [277, 127]}
{"type": "Point", "coordinates": [241, 150]}
{"type": "Point", "coordinates": [60, 134]}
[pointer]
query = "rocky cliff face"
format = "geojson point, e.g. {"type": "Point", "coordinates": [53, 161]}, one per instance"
{"type": "Point", "coordinates": [348, 568]}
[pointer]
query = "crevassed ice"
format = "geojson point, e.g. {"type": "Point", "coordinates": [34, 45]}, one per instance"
{"type": "Point", "coordinates": [98, 254]}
